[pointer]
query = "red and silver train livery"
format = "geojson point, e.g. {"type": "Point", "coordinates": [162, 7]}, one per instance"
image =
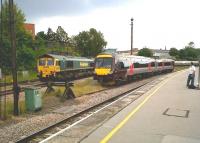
{"type": "Point", "coordinates": [114, 67]}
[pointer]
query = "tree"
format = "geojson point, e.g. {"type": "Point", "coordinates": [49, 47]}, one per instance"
{"type": "Point", "coordinates": [96, 42]}
{"type": "Point", "coordinates": [40, 40]}
{"type": "Point", "coordinates": [189, 52]}
{"type": "Point", "coordinates": [89, 43]}
{"type": "Point", "coordinates": [145, 52]}
{"type": "Point", "coordinates": [82, 42]}
{"type": "Point", "coordinates": [191, 45]}
{"type": "Point", "coordinates": [23, 38]}
{"type": "Point", "coordinates": [41, 35]}
{"type": "Point", "coordinates": [62, 36]}
{"type": "Point", "coordinates": [51, 36]}
{"type": "Point", "coordinates": [174, 52]}
{"type": "Point", "coordinates": [182, 54]}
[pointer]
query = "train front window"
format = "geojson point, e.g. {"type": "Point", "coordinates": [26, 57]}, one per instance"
{"type": "Point", "coordinates": [50, 62]}
{"type": "Point", "coordinates": [104, 62]}
{"type": "Point", "coordinates": [42, 62]}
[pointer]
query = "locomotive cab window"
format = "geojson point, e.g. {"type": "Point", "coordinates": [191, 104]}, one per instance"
{"type": "Point", "coordinates": [50, 62]}
{"type": "Point", "coordinates": [42, 62]}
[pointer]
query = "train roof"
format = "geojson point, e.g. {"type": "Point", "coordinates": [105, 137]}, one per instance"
{"type": "Point", "coordinates": [165, 60]}
{"type": "Point", "coordinates": [133, 58]}
{"type": "Point", "coordinates": [61, 57]}
{"type": "Point", "coordinates": [105, 54]}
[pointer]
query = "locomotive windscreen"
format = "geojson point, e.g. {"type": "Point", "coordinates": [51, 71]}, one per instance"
{"type": "Point", "coordinates": [103, 62]}
{"type": "Point", "coordinates": [42, 62]}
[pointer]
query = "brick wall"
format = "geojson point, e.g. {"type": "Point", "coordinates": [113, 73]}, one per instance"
{"type": "Point", "coordinates": [30, 28]}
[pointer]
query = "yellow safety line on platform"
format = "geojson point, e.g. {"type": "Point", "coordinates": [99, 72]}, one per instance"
{"type": "Point", "coordinates": [121, 124]}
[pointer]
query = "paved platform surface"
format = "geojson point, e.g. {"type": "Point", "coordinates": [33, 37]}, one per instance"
{"type": "Point", "coordinates": [168, 113]}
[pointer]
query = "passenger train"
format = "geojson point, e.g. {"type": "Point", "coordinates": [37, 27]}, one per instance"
{"type": "Point", "coordinates": [116, 67]}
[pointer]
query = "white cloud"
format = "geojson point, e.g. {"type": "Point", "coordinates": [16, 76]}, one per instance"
{"type": "Point", "coordinates": [157, 23]}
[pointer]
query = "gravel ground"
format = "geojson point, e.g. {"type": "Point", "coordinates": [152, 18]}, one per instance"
{"type": "Point", "coordinates": [16, 131]}
{"type": "Point", "coordinates": [68, 108]}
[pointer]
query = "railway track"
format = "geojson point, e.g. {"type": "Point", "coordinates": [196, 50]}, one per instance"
{"type": "Point", "coordinates": [21, 82]}
{"type": "Point", "coordinates": [73, 119]}
{"type": "Point", "coordinates": [25, 84]}
{"type": "Point", "coordinates": [22, 86]}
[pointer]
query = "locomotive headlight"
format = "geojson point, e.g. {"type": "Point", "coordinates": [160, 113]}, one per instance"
{"type": "Point", "coordinates": [111, 72]}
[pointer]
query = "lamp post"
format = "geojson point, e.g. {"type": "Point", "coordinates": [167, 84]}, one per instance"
{"type": "Point", "coordinates": [132, 36]}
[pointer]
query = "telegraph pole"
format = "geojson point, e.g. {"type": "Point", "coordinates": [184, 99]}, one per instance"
{"type": "Point", "coordinates": [1, 40]}
{"type": "Point", "coordinates": [131, 36]}
{"type": "Point", "coordinates": [1, 30]}
{"type": "Point", "coordinates": [13, 46]}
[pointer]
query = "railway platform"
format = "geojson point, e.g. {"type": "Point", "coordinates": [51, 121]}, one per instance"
{"type": "Point", "coordinates": [168, 113]}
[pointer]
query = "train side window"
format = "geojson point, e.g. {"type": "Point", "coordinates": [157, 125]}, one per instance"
{"type": "Point", "coordinates": [160, 64]}
{"type": "Point", "coordinates": [167, 64]}
{"type": "Point", "coordinates": [153, 64]}
{"type": "Point", "coordinates": [136, 65]}
{"type": "Point", "coordinates": [143, 65]}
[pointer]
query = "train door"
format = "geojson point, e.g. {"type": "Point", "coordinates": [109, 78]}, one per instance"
{"type": "Point", "coordinates": [57, 65]}
{"type": "Point", "coordinates": [156, 65]}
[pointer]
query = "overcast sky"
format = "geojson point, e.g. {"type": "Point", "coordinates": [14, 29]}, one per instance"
{"type": "Point", "coordinates": [157, 23]}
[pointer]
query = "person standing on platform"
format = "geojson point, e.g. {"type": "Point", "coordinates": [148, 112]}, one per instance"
{"type": "Point", "coordinates": [191, 76]}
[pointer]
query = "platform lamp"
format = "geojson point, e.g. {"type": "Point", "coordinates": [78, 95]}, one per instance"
{"type": "Point", "coordinates": [132, 36]}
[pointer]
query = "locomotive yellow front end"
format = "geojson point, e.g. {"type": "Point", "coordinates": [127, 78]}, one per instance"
{"type": "Point", "coordinates": [47, 67]}
{"type": "Point", "coordinates": [103, 67]}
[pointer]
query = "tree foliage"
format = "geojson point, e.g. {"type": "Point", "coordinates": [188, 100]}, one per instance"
{"type": "Point", "coordinates": [145, 52]}
{"type": "Point", "coordinates": [89, 43]}
{"type": "Point", "coordinates": [188, 53]}
{"type": "Point", "coordinates": [23, 38]}
{"type": "Point", "coordinates": [174, 52]}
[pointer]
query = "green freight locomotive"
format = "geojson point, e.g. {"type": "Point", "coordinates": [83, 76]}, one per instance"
{"type": "Point", "coordinates": [59, 67]}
